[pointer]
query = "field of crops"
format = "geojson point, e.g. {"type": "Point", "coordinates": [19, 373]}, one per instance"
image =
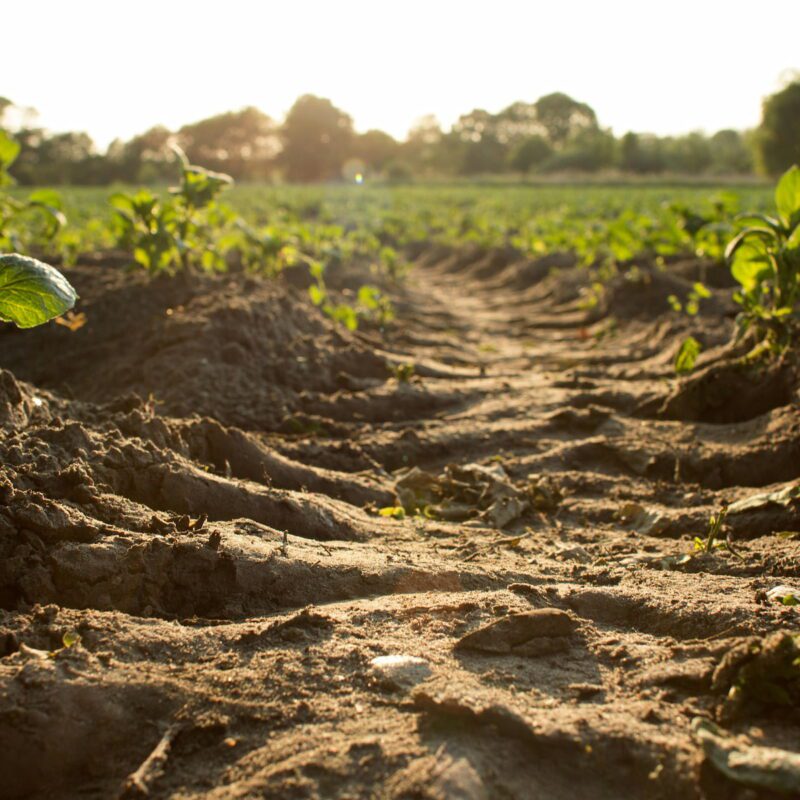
{"type": "Point", "coordinates": [447, 491]}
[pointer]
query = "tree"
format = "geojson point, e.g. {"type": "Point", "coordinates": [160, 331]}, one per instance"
{"type": "Point", "coordinates": [317, 139]}
{"type": "Point", "coordinates": [562, 117]}
{"type": "Point", "coordinates": [641, 153]}
{"type": "Point", "coordinates": [375, 149]}
{"type": "Point", "coordinates": [779, 133]}
{"type": "Point", "coordinates": [146, 158]}
{"type": "Point", "coordinates": [62, 158]}
{"type": "Point", "coordinates": [518, 122]}
{"type": "Point", "coordinates": [730, 153]}
{"type": "Point", "coordinates": [480, 149]}
{"type": "Point", "coordinates": [241, 143]}
{"type": "Point", "coordinates": [689, 154]}
{"type": "Point", "coordinates": [588, 150]}
{"type": "Point", "coordinates": [426, 147]}
{"type": "Point", "coordinates": [530, 153]}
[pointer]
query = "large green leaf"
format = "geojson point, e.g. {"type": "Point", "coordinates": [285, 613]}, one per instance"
{"type": "Point", "coordinates": [787, 197]}
{"type": "Point", "coordinates": [31, 292]}
{"type": "Point", "coordinates": [751, 263]}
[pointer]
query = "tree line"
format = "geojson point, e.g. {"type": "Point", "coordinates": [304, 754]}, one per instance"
{"type": "Point", "coordinates": [317, 142]}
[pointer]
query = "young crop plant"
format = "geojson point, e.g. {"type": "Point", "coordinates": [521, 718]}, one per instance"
{"type": "Point", "coordinates": [371, 303]}
{"type": "Point", "coordinates": [393, 263]}
{"type": "Point", "coordinates": [31, 293]}
{"type": "Point", "coordinates": [765, 260]}
{"type": "Point", "coordinates": [710, 230]}
{"type": "Point", "coordinates": [687, 355]}
{"type": "Point", "coordinates": [691, 306]}
{"type": "Point", "coordinates": [34, 221]}
{"type": "Point", "coordinates": [189, 229]}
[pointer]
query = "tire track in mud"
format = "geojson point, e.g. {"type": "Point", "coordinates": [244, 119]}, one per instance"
{"type": "Point", "coordinates": [258, 644]}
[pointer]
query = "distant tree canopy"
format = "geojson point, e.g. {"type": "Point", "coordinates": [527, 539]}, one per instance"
{"type": "Point", "coordinates": [316, 142]}
{"type": "Point", "coordinates": [317, 139]}
{"type": "Point", "coordinates": [778, 136]}
{"type": "Point", "coordinates": [376, 149]}
{"type": "Point", "coordinates": [241, 143]}
{"type": "Point", "coordinates": [563, 118]}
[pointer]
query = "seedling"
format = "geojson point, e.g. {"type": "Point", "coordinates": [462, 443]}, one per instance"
{"type": "Point", "coordinates": [404, 372]}
{"type": "Point", "coordinates": [370, 302]}
{"type": "Point", "coordinates": [687, 355]}
{"type": "Point", "coordinates": [691, 305]}
{"type": "Point", "coordinates": [183, 231]}
{"type": "Point", "coordinates": [765, 259]}
{"type": "Point", "coordinates": [39, 217]}
{"type": "Point", "coordinates": [714, 529]}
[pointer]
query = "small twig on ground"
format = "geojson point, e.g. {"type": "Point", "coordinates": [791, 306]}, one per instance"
{"type": "Point", "coordinates": [138, 783]}
{"type": "Point", "coordinates": [731, 549]}
{"type": "Point", "coordinates": [718, 635]}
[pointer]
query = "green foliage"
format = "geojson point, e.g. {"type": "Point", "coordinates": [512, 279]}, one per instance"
{"type": "Point", "coordinates": [765, 260]}
{"type": "Point", "coordinates": [778, 136]}
{"type": "Point", "coordinates": [687, 355]}
{"type": "Point", "coordinates": [370, 303]}
{"type": "Point", "coordinates": [9, 150]}
{"type": "Point", "coordinates": [530, 153]}
{"type": "Point", "coordinates": [189, 229]}
{"type": "Point", "coordinates": [697, 293]}
{"type": "Point", "coordinates": [31, 293]}
{"type": "Point", "coordinates": [25, 222]}
{"type": "Point", "coordinates": [311, 123]}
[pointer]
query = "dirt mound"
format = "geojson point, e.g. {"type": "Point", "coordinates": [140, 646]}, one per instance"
{"type": "Point", "coordinates": [247, 351]}
{"type": "Point", "coordinates": [643, 292]}
{"type": "Point", "coordinates": [734, 391]}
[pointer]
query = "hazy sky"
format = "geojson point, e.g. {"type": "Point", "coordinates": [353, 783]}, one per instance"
{"type": "Point", "coordinates": [116, 69]}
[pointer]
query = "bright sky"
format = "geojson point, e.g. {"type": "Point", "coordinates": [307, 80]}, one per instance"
{"type": "Point", "coordinates": [116, 69]}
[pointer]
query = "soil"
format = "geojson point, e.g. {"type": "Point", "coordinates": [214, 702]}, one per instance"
{"type": "Point", "coordinates": [200, 597]}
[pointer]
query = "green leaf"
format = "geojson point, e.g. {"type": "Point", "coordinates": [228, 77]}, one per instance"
{"type": "Point", "coordinates": [764, 219]}
{"type": "Point", "coordinates": [9, 150]}
{"type": "Point", "coordinates": [701, 290]}
{"type": "Point", "coordinates": [316, 294]}
{"type": "Point", "coordinates": [46, 197]}
{"type": "Point", "coordinates": [793, 242]}
{"type": "Point", "coordinates": [396, 512]}
{"type": "Point", "coordinates": [787, 197]}
{"type": "Point", "coordinates": [346, 315]}
{"type": "Point", "coordinates": [790, 600]}
{"type": "Point", "coordinates": [751, 263]}
{"type": "Point", "coordinates": [687, 355]}
{"type": "Point", "coordinates": [121, 202]}
{"type": "Point", "coordinates": [368, 297]}
{"type": "Point", "coordinates": [31, 293]}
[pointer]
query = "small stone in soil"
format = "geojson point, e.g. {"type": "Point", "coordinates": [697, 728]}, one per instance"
{"type": "Point", "coordinates": [400, 671]}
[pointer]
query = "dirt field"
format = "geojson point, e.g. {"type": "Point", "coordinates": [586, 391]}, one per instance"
{"type": "Point", "coordinates": [196, 581]}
